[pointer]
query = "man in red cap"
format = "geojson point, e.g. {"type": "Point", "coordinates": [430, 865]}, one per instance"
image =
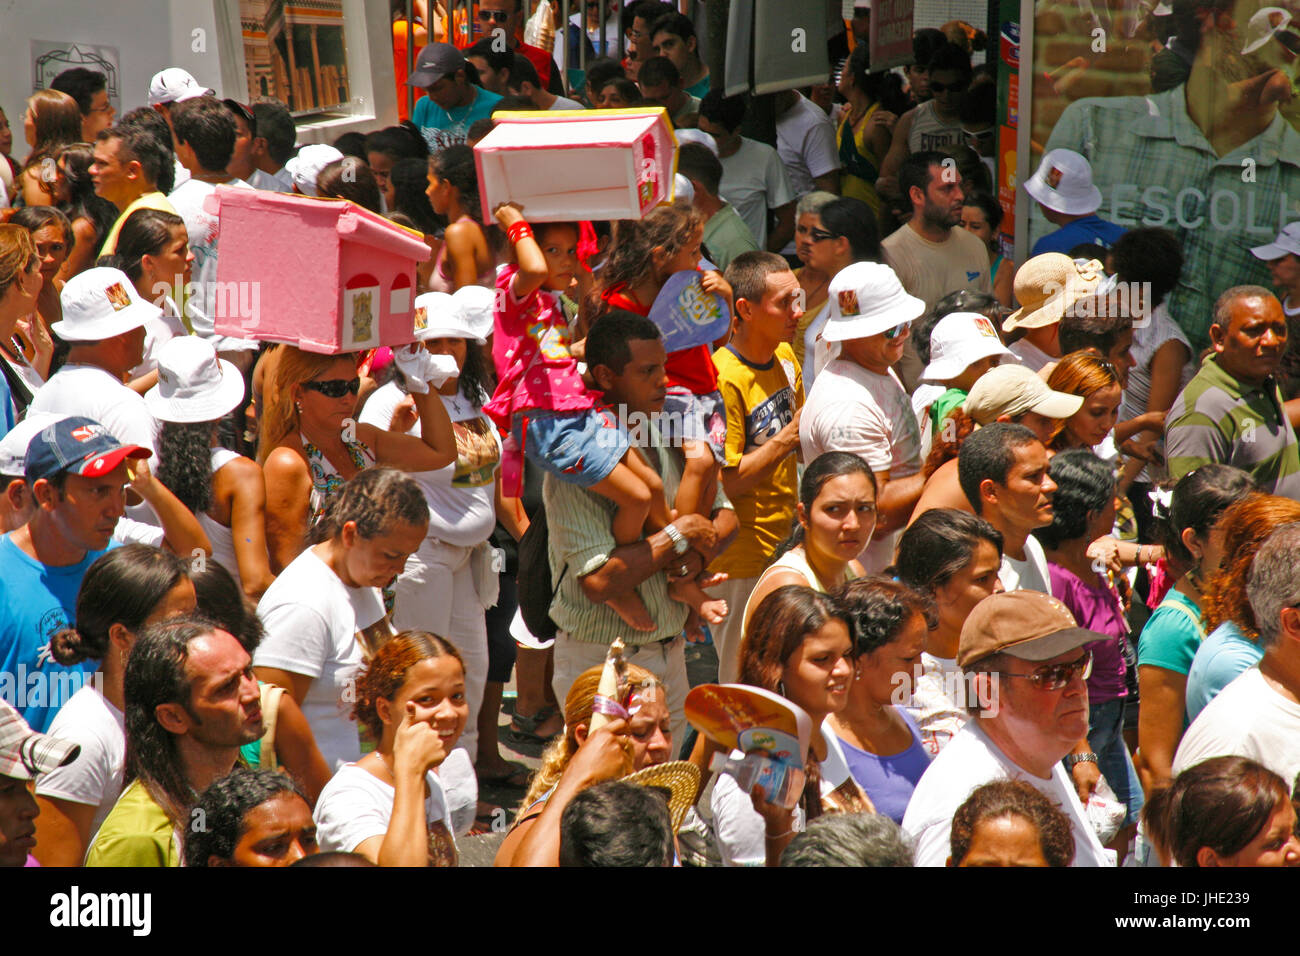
{"type": "Point", "coordinates": [76, 471]}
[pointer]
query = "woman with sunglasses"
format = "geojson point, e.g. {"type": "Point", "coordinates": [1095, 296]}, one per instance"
{"type": "Point", "coordinates": [830, 240]}
{"type": "Point", "coordinates": [310, 445]}
{"type": "Point", "coordinates": [1084, 510]}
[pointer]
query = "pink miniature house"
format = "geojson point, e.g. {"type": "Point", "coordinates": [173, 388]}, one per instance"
{"type": "Point", "coordinates": [332, 277]}
{"type": "Point", "coordinates": [571, 164]}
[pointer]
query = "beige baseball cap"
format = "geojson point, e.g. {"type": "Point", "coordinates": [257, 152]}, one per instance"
{"type": "Point", "coordinates": [1030, 625]}
{"type": "Point", "coordinates": [1013, 390]}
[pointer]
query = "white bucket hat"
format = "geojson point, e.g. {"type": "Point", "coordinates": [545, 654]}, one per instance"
{"type": "Point", "coordinates": [1287, 241]}
{"type": "Point", "coordinates": [173, 85]}
{"type": "Point", "coordinates": [99, 304]}
{"type": "Point", "coordinates": [1063, 183]}
{"type": "Point", "coordinates": [957, 341]}
{"type": "Point", "coordinates": [193, 384]}
{"type": "Point", "coordinates": [475, 304]}
{"type": "Point", "coordinates": [306, 166]}
{"type": "Point", "coordinates": [866, 299]}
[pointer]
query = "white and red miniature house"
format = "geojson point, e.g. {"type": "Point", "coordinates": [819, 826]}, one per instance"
{"type": "Point", "coordinates": [333, 277]}
{"type": "Point", "coordinates": [577, 164]}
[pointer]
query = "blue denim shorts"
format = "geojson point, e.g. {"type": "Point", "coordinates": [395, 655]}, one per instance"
{"type": "Point", "coordinates": [580, 447]}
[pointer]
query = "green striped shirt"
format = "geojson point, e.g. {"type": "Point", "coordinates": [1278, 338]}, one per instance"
{"type": "Point", "coordinates": [1220, 419]}
{"type": "Point", "coordinates": [581, 540]}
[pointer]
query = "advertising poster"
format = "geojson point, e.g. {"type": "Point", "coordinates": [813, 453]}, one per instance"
{"type": "Point", "coordinates": [1008, 117]}
{"type": "Point", "coordinates": [1188, 114]}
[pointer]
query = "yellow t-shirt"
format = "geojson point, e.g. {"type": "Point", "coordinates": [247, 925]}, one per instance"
{"type": "Point", "coordinates": [760, 401]}
{"type": "Point", "coordinates": [136, 832]}
{"type": "Point", "coordinates": [153, 200]}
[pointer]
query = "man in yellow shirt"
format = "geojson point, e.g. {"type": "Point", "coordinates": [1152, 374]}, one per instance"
{"type": "Point", "coordinates": [128, 162]}
{"type": "Point", "coordinates": [762, 388]}
{"type": "Point", "coordinates": [191, 702]}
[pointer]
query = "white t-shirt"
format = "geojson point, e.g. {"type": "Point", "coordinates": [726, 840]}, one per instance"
{"type": "Point", "coordinates": [969, 761]}
{"type": "Point", "coordinates": [805, 141]}
{"type": "Point", "coordinates": [188, 200]}
{"type": "Point", "coordinates": [90, 391]}
{"type": "Point", "coordinates": [938, 702]}
{"type": "Point", "coordinates": [922, 399]}
{"type": "Point", "coordinates": [754, 181]}
{"type": "Point", "coordinates": [564, 103]}
{"type": "Point", "coordinates": [1029, 574]}
{"type": "Point", "coordinates": [96, 777]}
{"type": "Point", "coordinates": [1148, 338]}
{"type": "Point", "coordinates": [311, 620]}
{"type": "Point", "coordinates": [740, 831]}
{"type": "Point", "coordinates": [1030, 355]}
{"type": "Point", "coordinates": [356, 805]}
{"type": "Point", "coordinates": [1248, 718]}
{"type": "Point", "coordinates": [462, 508]}
{"type": "Point", "coordinates": [855, 410]}
{"type": "Point", "coordinates": [263, 180]}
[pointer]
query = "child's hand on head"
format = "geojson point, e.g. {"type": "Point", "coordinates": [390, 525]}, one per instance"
{"type": "Point", "coordinates": [509, 213]}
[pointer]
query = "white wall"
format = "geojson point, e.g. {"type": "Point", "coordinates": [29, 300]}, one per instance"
{"type": "Point", "coordinates": [153, 34]}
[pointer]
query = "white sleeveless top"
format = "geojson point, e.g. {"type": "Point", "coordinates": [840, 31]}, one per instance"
{"type": "Point", "coordinates": [792, 560]}
{"type": "Point", "coordinates": [223, 540]}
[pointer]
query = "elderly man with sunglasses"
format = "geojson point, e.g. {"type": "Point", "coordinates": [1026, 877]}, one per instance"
{"type": "Point", "coordinates": [857, 403]}
{"type": "Point", "coordinates": [1026, 669]}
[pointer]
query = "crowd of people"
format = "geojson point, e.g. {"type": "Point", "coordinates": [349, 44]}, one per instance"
{"type": "Point", "coordinates": [1022, 556]}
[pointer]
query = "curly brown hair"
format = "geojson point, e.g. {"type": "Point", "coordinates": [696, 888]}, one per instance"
{"type": "Point", "coordinates": [1247, 524]}
{"type": "Point", "coordinates": [384, 675]}
{"type": "Point", "coordinates": [1004, 798]}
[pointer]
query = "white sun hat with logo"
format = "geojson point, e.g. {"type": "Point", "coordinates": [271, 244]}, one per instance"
{"type": "Point", "coordinates": [1063, 183]}
{"type": "Point", "coordinates": [959, 340]}
{"type": "Point", "coordinates": [99, 304]}
{"type": "Point", "coordinates": [867, 299]}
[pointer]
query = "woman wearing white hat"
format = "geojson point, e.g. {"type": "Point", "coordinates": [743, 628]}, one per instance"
{"type": "Point", "coordinates": [225, 490]}
{"type": "Point", "coordinates": [450, 581]}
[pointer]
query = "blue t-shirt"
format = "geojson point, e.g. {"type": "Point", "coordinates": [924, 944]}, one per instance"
{"type": "Point", "coordinates": [1172, 635]}
{"type": "Point", "coordinates": [36, 602]}
{"type": "Point", "coordinates": [889, 781]}
{"type": "Point", "coordinates": [1222, 656]}
{"type": "Point", "coordinates": [441, 129]}
{"type": "Point", "coordinates": [6, 407]}
{"type": "Point", "coordinates": [1089, 229]}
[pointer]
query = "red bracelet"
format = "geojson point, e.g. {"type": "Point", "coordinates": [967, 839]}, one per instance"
{"type": "Point", "coordinates": [517, 231]}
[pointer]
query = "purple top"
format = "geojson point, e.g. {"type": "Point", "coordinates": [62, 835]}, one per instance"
{"type": "Point", "coordinates": [889, 781]}
{"type": "Point", "coordinates": [1097, 608]}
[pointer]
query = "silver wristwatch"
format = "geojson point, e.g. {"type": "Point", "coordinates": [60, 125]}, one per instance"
{"type": "Point", "coordinates": [1073, 760]}
{"type": "Point", "coordinates": [680, 544]}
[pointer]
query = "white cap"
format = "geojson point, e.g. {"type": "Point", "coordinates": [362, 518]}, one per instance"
{"type": "Point", "coordinates": [959, 340]}
{"type": "Point", "coordinates": [682, 188]}
{"type": "Point", "coordinates": [13, 447]}
{"type": "Point", "coordinates": [475, 305]}
{"type": "Point", "coordinates": [173, 85]}
{"type": "Point", "coordinates": [99, 304]}
{"type": "Point", "coordinates": [193, 384]}
{"type": "Point", "coordinates": [1063, 183]}
{"type": "Point", "coordinates": [306, 166]}
{"type": "Point", "coordinates": [866, 299]}
{"type": "Point", "coordinates": [1287, 241]}
{"type": "Point", "coordinates": [696, 136]}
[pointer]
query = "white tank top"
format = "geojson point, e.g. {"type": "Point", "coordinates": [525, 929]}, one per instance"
{"type": "Point", "coordinates": [792, 560]}
{"type": "Point", "coordinates": [223, 540]}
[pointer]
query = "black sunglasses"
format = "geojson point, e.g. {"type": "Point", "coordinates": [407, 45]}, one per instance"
{"type": "Point", "coordinates": [335, 387]}
{"type": "Point", "coordinates": [817, 235]}
{"type": "Point", "coordinates": [496, 16]}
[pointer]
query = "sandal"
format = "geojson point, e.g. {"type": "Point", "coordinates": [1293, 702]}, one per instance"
{"type": "Point", "coordinates": [527, 726]}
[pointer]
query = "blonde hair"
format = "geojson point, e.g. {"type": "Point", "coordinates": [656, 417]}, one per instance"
{"type": "Point", "coordinates": [286, 367]}
{"type": "Point", "coordinates": [577, 710]}
{"type": "Point", "coordinates": [17, 255]}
